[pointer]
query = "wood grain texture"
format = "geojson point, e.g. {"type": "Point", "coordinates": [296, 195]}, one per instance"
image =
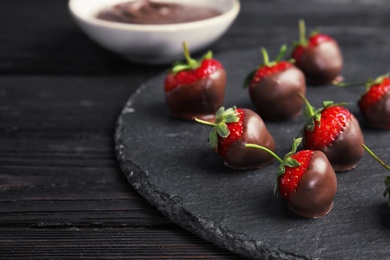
{"type": "Point", "coordinates": [113, 243]}
{"type": "Point", "coordinates": [62, 194]}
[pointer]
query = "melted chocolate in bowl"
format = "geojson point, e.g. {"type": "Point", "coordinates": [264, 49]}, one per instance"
{"type": "Point", "coordinates": [150, 12]}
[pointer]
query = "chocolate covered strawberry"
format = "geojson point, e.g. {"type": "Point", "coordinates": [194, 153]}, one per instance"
{"type": "Point", "coordinates": [319, 57]}
{"type": "Point", "coordinates": [374, 104]}
{"type": "Point", "coordinates": [306, 180]}
{"type": "Point", "coordinates": [335, 131]}
{"type": "Point", "coordinates": [195, 88]}
{"type": "Point", "coordinates": [235, 127]}
{"type": "Point", "coordinates": [273, 88]}
{"type": "Point", "coordinates": [387, 178]}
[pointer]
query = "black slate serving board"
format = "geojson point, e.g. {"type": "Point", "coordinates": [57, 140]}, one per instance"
{"type": "Point", "coordinates": [170, 163]}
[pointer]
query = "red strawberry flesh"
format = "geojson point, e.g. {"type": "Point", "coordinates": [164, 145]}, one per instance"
{"type": "Point", "coordinates": [266, 71]}
{"type": "Point", "coordinates": [313, 41]}
{"type": "Point", "coordinates": [333, 120]}
{"type": "Point", "coordinates": [289, 181]}
{"type": "Point", "coordinates": [375, 93]}
{"type": "Point", "coordinates": [236, 131]}
{"type": "Point", "coordinates": [317, 187]}
{"type": "Point", "coordinates": [186, 77]}
{"type": "Point", "coordinates": [317, 39]}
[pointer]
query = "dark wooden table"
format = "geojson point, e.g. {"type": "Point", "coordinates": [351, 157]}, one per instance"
{"type": "Point", "coordinates": [62, 194]}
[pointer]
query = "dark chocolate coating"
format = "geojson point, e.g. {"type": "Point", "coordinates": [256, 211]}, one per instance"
{"type": "Point", "coordinates": [378, 114]}
{"type": "Point", "coordinates": [346, 150]}
{"type": "Point", "coordinates": [276, 96]}
{"type": "Point", "coordinates": [151, 12]}
{"type": "Point", "coordinates": [316, 189]}
{"type": "Point", "coordinates": [255, 132]}
{"type": "Point", "coordinates": [200, 99]}
{"type": "Point", "coordinates": [321, 64]}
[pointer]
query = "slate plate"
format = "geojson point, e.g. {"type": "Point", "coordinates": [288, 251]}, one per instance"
{"type": "Point", "coordinates": [170, 163]}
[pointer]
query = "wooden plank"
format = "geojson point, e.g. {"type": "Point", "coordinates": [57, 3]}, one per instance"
{"type": "Point", "coordinates": [129, 243]}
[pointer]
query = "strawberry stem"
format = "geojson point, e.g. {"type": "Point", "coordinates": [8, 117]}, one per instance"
{"type": "Point", "coordinates": [376, 157]}
{"type": "Point", "coordinates": [191, 62]}
{"type": "Point", "coordinates": [387, 178]}
{"type": "Point", "coordinates": [204, 122]}
{"type": "Point", "coordinates": [368, 84]}
{"type": "Point", "coordinates": [265, 56]}
{"type": "Point", "coordinates": [286, 161]}
{"type": "Point", "coordinates": [302, 33]}
{"type": "Point", "coordinates": [343, 84]}
{"type": "Point", "coordinates": [309, 107]}
{"type": "Point", "coordinates": [265, 149]}
{"type": "Point", "coordinates": [220, 127]}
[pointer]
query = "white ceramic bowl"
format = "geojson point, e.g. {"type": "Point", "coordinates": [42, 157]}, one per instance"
{"type": "Point", "coordinates": [153, 44]}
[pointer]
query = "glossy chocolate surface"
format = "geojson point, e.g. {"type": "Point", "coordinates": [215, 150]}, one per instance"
{"type": "Point", "coordinates": [200, 99]}
{"type": "Point", "coordinates": [276, 96]}
{"type": "Point", "coordinates": [346, 150]}
{"type": "Point", "coordinates": [321, 64]}
{"type": "Point", "coordinates": [378, 114]}
{"type": "Point", "coordinates": [255, 132]}
{"type": "Point", "coordinates": [151, 12]}
{"type": "Point", "coordinates": [316, 189]}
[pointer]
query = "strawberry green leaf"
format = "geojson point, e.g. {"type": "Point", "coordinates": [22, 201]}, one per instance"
{"type": "Point", "coordinates": [327, 103]}
{"type": "Point", "coordinates": [228, 116]}
{"type": "Point", "coordinates": [179, 67]}
{"type": "Point", "coordinates": [281, 170]}
{"type": "Point", "coordinates": [248, 79]}
{"type": "Point", "coordinates": [213, 139]}
{"type": "Point", "coordinates": [386, 192]}
{"type": "Point", "coordinates": [287, 160]}
{"type": "Point", "coordinates": [282, 52]}
{"type": "Point", "coordinates": [232, 118]}
{"type": "Point", "coordinates": [276, 187]}
{"type": "Point", "coordinates": [317, 118]}
{"type": "Point", "coordinates": [219, 114]}
{"type": "Point", "coordinates": [308, 111]}
{"type": "Point", "coordinates": [387, 178]}
{"type": "Point", "coordinates": [310, 125]}
{"type": "Point", "coordinates": [229, 111]}
{"type": "Point", "coordinates": [315, 32]}
{"type": "Point", "coordinates": [222, 129]}
{"type": "Point", "coordinates": [190, 64]}
{"type": "Point", "coordinates": [371, 82]}
{"type": "Point", "coordinates": [266, 62]}
{"type": "Point", "coordinates": [290, 162]}
{"type": "Point", "coordinates": [296, 143]}
{"type": "Point", "coordinates": [315, 115]}
{"type": "Point", "coordinates": [207, 56]}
